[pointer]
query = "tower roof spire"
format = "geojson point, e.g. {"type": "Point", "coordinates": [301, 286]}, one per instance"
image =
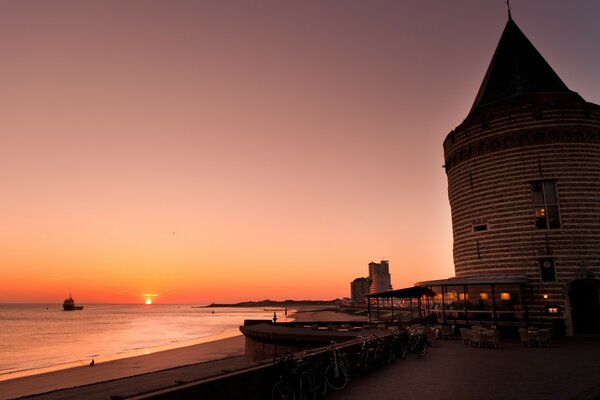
{"type": "Point", "coordinates": [508, 7]}
{"type": "Point", "coordinates": [516, 68]}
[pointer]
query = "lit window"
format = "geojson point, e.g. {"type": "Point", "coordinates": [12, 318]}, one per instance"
{"type": "Point", "coordinates": [545, 204]}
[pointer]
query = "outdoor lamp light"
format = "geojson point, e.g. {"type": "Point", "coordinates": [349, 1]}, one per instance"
{"type": "Point", "coordinates": [505, 296]}
{"type": "Point", "coordinates": [545, 295]}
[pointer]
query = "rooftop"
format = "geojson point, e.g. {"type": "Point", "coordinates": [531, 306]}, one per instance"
{"type": "Point", "coordinates": [516, 68]}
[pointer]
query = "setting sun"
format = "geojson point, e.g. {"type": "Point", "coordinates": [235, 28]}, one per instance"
{"type": "Point", "coordinates": [148, 301]}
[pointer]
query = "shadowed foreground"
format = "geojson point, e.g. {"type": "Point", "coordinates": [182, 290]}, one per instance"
{"type": "Point", "coordinates": [570, 369]}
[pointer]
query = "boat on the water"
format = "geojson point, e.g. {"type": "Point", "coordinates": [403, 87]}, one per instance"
{"type": "Point", "coordinates": [69, 304]}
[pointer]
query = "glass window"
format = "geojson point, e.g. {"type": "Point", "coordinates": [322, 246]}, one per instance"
{"type": "Point", "coordinates": [550, 192]}
{"type": "Point", "coordinates": [545, 204]}
{"type": "Point", "coordinates": [538, 194]}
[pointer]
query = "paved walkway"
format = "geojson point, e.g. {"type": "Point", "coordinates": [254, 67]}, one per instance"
{"type": "Point", "coordinates": [570, 369]}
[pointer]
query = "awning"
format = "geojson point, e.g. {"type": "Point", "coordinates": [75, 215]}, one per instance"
{"type": "Point", "coordinates": [478, 280]}
{"type": "Point", "coordinates": [406, 293]}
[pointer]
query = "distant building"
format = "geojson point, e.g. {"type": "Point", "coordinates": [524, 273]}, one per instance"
{"type": "Point", "coordinates": [379, 275]}
{"type": "Point", "coordinates": [359, 288]}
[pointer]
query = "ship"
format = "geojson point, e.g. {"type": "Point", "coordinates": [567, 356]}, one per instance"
{"type": "Point", "coordinates": [69, 304]}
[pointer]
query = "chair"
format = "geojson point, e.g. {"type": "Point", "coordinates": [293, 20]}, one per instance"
{"type": "Point", "coordinates": [494, 338]}
{"type": "Point", "coordinates": [476, 337]}
{"type": "Point", "coordinates": [431, 334]}
{"type": "Point", "coordinates": [543, 338]}
{"type": "Point", "coordinates": [467, 335]}
{"type": "Point", "coordinates": [446, 332]}
{"type": "Point", "coordinates": [525, 337]}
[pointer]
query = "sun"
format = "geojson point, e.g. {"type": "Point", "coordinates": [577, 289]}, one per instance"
{"type": "Point", "coordinates": [148, 301]}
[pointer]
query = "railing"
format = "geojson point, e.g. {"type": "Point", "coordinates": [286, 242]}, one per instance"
{"type": "Point", "coordinates": [257, 382]}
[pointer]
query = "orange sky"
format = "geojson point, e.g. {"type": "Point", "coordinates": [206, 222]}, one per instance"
{"type": "Point", "coordinates": [212, 151]}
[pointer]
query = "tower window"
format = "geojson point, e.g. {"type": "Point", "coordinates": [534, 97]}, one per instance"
{"type": "Point", "coordinates": [480, 228]}
{"type": "Point", "coordinates": [545, 204]}
{"type": "Point", "coordinates": [547, 270]}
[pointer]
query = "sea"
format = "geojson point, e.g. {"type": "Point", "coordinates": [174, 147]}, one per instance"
{"type": "Point", "coordinates": [37, 338]}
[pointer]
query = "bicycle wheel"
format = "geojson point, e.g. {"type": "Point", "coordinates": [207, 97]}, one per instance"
{"type": "Point", "coordinates": [421, 348]}
{"type": "Point", "coordinates": [320, 379]}
{"type": "Point", "coordinates": [283, 390]}
{"type": "Point", "coordinates": [336, 376]}
{"type": "Point", "coordinates": [404, 350]}
{"type": "Point", "coordinates": [308, 386]}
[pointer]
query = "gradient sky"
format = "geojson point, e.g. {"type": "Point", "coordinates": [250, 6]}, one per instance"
{"type": "Point", "coordinates": [242, 150]}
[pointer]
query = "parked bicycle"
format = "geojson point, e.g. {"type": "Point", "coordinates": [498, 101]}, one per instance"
{"type": "Point", "coordinates": [336, 373]}
{"type": "Point", "coordinates": [398, 347]}
{"type": "Point", "coordinates": [417, 343]}
{"type": "Point", "coordinates": [297, 378]}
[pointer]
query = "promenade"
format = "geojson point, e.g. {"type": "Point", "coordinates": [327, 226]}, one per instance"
{"type": "Point", "coordinates": [569, 369]}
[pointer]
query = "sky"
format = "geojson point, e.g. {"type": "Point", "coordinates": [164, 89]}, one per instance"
{"type": "Point", "coordinates": [223, 151]}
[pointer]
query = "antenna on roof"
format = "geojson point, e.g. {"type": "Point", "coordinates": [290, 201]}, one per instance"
{"type": "Point", "coordinates": [508, 6]}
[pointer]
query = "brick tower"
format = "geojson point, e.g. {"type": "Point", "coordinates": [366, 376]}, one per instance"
{"type": "Point", "coordinates": [523, 174]}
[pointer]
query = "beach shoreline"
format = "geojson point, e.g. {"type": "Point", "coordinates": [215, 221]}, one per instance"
{"type": "Point", "coordinates": [100, 359]}
{"type": "Point", "coordinates": [215, 348]}
{"type": "Point", "coordinates": [122, 368]}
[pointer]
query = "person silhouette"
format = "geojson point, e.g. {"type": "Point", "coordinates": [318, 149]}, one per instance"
{"type": "Point", "coordinates": [92, 363]}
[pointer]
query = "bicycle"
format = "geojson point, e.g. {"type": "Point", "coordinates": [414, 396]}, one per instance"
{"type": "Point", "coordinates": [336, 373]}
{"type": "Point", "coordinates": [398, 347]}
{"type": "Point", "coordinates": [418, 343]}
{"type": "Point", "coordinates": [296, 378]}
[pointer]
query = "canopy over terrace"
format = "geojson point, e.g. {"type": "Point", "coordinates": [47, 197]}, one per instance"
{"type": "Point", "coordinates": [410, 293]}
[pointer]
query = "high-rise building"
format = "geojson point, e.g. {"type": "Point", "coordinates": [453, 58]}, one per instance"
{"type": "Point", "coordinates": [379, 275]}
{"type": "Point", "coordinates": [523, 173]}
{"type": "Point", "coordinates": [359, 288]}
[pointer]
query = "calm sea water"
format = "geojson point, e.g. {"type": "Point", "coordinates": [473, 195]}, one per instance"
{"type": "Point", "coordinates": [39, 337]}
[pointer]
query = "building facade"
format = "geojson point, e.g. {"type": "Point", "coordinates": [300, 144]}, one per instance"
{"type": "Point", "coordinates": [523, 173]}
{"type": "Point", "coordinates": [359, 288]}
{"type": "Point", "coordinates": [379, 275]}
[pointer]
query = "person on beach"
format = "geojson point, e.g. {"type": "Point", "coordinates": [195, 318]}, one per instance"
{"type": "Point", "coordinates": [92, 363]}
{"type": "Point", "coordinates": [274, 317]}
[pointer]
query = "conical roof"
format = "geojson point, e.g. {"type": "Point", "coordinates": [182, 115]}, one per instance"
{"type": "Point", "coordinates": [516, 68]}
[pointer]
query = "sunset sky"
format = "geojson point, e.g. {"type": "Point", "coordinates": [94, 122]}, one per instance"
{"type": "Point", "coordinates": [224, 151]}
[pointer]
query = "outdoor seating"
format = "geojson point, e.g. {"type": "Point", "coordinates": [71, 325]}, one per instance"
{"type": "Point", "coordinates": [467, 335]}
{"type": "Point", "coordinates": [526, 337]}
{"type": "Point", "coordinates": [446, 332]}
{"type": "Point", "coordinates": [543, 338]}
{"type": "Point", "coordinates": [475, 337]}
{"type": "Point", "coordinates": [431, 334]}
{"type": "Point", "coordinates": [493, 338]}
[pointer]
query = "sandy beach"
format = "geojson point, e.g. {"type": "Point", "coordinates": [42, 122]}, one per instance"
{"type": "Point", "coordinates": [144, 364]}
{"type": "Point", "coordinates": [125, 367]}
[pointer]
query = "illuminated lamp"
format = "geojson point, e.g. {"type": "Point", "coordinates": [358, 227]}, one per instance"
{"type": "Point", "coordinates": [483, 296]}
{"type": "Point", "coordinates": [553, 310]}
{"type": "Point", "coordinates": [545, 296]}
{"type": "Point", "coordinates": [463, 296]}
{"type": "Point", "coordinates": [505, 296]}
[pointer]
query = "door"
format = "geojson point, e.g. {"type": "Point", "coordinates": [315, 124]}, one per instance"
{"type": "Point", "coordinates": [585, 306]}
